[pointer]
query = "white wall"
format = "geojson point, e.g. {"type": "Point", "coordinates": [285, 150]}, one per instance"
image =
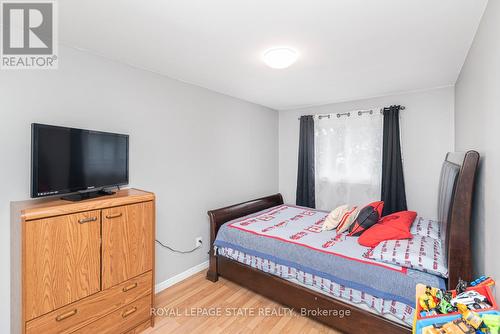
{"type": "Point", "coordinates": [478, 127]}
{"type": "Point", "coordinates": [427, 134]}
{"type": "Point", "coordinates": [196, 149]}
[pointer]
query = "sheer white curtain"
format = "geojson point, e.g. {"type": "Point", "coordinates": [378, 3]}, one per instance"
{"type": "Point", "coordinates": [348, 153]}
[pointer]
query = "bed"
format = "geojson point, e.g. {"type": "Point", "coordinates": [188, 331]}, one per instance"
{"type": "Point", "coordinates": [296, 271]}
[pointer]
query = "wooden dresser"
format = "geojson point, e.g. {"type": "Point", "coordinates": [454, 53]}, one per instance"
{"type": "Point", "coordinates": [83, 267]}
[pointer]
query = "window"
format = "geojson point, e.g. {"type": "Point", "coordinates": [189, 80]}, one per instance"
{"type": "Point", "coordinates": [348, 157]}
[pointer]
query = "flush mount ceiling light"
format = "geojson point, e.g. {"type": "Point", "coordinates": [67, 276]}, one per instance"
{"type": "Point", "coordinates": [280, 57]}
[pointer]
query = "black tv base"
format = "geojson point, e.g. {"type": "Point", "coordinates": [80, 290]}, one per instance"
{"type": "Point", "coordinates": [80, 196]}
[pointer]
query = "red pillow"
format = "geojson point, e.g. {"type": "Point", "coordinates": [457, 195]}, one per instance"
{"type": "Point", "coordinates": [395, 226]}
{"type": "Point", "coordinates": [401, 220]}
{"type": "Point", "coordinates": [367, 217]}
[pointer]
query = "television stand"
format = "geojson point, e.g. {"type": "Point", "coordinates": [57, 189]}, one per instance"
{"type": "Point", "coordinates": [83, 195]}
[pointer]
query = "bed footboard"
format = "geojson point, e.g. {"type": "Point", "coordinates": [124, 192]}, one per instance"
{"type": "Point", "coordinates": [223, 215]}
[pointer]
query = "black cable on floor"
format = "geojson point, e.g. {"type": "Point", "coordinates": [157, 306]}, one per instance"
{"type": "Point", "coordinates": [178, 251]}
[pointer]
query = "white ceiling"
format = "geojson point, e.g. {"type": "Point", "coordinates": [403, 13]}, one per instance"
{"type": "Point", "coordinates": [349, 49]}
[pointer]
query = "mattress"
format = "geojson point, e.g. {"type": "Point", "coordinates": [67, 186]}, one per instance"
{"type": "Point", "coordinates": [290, 238]}
{"type": "Point", "coordinates": [393, 310]}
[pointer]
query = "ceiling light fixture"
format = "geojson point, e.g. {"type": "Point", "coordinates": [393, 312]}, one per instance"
{"type": "Point", "coordinates": [280, 57]}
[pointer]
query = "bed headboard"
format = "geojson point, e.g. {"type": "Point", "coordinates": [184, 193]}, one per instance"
{"type": "Point", "coordinates": [456, 188]}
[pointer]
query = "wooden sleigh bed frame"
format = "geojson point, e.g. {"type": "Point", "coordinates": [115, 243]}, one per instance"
{"type": "Point", "coordinates": [455, 203]}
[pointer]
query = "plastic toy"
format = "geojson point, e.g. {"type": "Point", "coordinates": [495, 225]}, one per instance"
{"type": "Point", "coordinates": [434, 293]}
{"type": "Point", "coordinates": [428, 300]}
{"type": "Point", "coordinates": [453, 327]}
{"type": "Point", "coordinates": [461, 286]}
{"type": "Point", "coordinates": [478, 280]}
{"type": "Point", "coordinates": [471, 317]}
{"type": "Point", "coordinates": [432, 330]}
{"type": "Point", "coordinates": [468, 298]}
{"type": "Point", "coordinates": [459, 327]}
{"type": "Point", "coordinates": [492, 321]}
{"type": "Point", "coordinates": [483, 281]}
{"type": "Point", "coordinates": [444, 305]}
{"type": "Point", "coordinates": [479, 306]}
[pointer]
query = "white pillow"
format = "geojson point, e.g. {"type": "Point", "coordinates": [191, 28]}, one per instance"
{"type": "Point", "coordinates": [420, 253]}
{"type": "Point", "coordinates": [348, 219]}
{"type": "Point", "coordinates": [426, 228]}
{"type": "Point", "coordinates": [334, 217]}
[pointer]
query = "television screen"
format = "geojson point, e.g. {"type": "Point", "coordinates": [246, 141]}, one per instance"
{"type": "Point", "coordinates": [67, 160]}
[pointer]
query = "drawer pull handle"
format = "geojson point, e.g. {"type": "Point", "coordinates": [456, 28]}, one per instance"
{"type": "Point", "coordinates": [116, 215]}
{"type": "Point", "coordinates": [129, 312]}
{"type": "Point", "coordinates": [66, 315]}
{"type": "Point", "coordinates": [129, 287]}
{"type": "Point", "coordinates": [87, 220]}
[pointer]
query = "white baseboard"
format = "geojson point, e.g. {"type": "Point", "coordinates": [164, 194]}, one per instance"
{"type": "Point", "coordinates": [180, 277]}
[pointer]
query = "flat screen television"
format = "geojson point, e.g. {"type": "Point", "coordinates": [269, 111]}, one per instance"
{"type": "Point", "coordinates": [66, 160]}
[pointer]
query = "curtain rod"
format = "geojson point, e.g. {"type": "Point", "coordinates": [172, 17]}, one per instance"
{"type": "Point", "coordinates": [348, 114]}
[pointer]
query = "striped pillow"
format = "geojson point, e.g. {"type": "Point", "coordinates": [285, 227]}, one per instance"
{"type": "Point", "coordinates": [334, 217]}
{"type": "Point", "coordinates": [420, 253]}
{"type": "Point", "coordinates": [426, 228]}
{"type": "Point", "coordinates": [347, 219]}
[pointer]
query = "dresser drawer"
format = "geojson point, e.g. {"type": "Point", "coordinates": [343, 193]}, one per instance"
{"type": "Point", "coordinates": [78, 314]}
{"type": "Point", "coordinates": [121, 320]}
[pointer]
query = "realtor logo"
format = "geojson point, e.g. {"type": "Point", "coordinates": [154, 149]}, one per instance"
{"type": "Point", "coordinates": [28, 35]}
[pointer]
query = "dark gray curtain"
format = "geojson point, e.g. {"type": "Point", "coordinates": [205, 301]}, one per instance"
{"type": "Point", "coordinates": [305, 174]}
{"type": "Point", "coordinates": [393, 184]}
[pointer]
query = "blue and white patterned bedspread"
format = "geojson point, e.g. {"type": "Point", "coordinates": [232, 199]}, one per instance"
{"type": "Point", "coordinates": [291, 236]}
